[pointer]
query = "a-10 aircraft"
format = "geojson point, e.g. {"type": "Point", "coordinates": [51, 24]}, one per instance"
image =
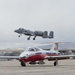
{"type": "Point", "coordinates": [34, 33]}
{"type": "Point", "coordinates": [34, 55]}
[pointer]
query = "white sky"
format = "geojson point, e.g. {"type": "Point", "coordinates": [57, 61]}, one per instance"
{"type": "Point", "coordinates": [56, 15]}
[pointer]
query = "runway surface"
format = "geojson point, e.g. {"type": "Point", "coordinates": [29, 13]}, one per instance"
{"type": "Point", "coordinates": [65, 67]}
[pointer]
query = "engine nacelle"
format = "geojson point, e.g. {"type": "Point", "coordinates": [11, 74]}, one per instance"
{"type": "Point", "coordinates": [45, 34]}
{"type": "Point", "coordinates": [51, 34]}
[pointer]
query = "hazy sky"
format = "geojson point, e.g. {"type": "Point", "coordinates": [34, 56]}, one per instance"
{"type": "Point", "coordinates": [56, 15]}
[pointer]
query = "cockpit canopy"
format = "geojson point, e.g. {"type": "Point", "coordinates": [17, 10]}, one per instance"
{"type": "Point", "coordinates": [32, 49]}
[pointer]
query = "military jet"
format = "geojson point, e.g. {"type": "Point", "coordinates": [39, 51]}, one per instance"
{"type": "Point", "coordinates": [43, 34]}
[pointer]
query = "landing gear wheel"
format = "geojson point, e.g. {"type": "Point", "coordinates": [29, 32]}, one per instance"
{"type": "Point", "coordinates": [19, 36]}
{"type": "Point", "coordinates": [55, 63]}
{"type": "Point", "coordinates": [28, 38]}
{"type": "Point", "coordinates": [23, 64]}
{"type": "Point", "coordinates": [33, 38]}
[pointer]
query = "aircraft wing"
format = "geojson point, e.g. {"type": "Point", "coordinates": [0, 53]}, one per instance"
{"type": "Point", "coordinates": [60, 56]}
{"type": "Point", "coordinates": [9, 57]}
{"type": "Point", "coordinates": [29, 33]}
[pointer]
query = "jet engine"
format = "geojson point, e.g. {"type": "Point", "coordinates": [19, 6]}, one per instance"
{"type": "Point", "coordinates": [45, 34]}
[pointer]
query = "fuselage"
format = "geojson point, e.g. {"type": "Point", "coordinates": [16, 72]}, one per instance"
{"type": "Point", "coordinates": [36, 54]}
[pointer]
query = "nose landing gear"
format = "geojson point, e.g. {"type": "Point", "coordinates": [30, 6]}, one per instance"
{"type": "Point", "coordinates": [23, 64]}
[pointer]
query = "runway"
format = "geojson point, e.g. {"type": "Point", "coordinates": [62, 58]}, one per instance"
{"type": "Point", "coordinates": [65, 67]}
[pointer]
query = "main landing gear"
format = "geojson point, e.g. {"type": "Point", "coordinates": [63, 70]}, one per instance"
{"type": "Point", "coordinates": [34, 37]}
{"type": "Point", "coordinates": [28, 38]}
{"type": "Point", "coordinates": [19, 35]}
{"type": "Point", "coordinates": [56, 62]}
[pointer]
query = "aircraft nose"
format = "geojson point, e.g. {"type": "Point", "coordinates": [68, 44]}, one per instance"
{"type": "Point", "coordinates": [15, 30]}
{"type": "Point", "coordinates": [24, 54]}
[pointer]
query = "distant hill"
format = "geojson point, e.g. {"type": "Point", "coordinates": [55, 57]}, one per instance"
{"type": "Point", "coordinates": [43, 46]}
{"type": "Point", "coordinates": [61, 46]}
